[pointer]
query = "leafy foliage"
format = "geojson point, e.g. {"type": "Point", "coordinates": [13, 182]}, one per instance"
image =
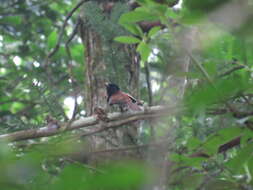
{"type": "Point", "coordinates": [213, 87]}
{"type": "Point", "coordinates": [212, 137]}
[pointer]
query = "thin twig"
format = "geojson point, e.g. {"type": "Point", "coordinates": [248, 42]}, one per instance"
{"type": "Point", "coordinates": [74, 32]}
{"type": "Point", "coordinates": [231, 70]}
{"type": "Point", "coordinates": [206, 75]}
{"type": "Point", "coordinates": [70, 73]}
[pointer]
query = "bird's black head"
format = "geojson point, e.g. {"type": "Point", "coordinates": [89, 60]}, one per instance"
{"type": "Point", "coordinates": [111, 89]}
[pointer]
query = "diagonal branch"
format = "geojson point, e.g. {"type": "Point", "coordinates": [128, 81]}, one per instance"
{"type": "Point", "coordinates": [69, 15]}
{"type": "Point", "coordinates": [114, 120]}
{"type": "Point", "coordinates": [231, 70]}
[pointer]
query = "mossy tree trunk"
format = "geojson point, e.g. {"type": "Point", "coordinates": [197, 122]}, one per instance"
{"type": "Point", "coordinates": [106, 60]}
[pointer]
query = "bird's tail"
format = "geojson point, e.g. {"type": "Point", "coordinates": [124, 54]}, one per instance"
{"type": "Point", "coordinates": [134, 106]}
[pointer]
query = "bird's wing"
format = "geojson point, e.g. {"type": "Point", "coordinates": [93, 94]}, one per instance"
{"type": "Point", "coordinates": [131, 97]}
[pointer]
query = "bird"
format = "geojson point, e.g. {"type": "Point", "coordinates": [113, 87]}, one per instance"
{"type": "Point", "coordinates": [125, 101]}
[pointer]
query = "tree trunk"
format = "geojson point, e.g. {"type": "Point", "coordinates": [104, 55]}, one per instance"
{"type": "Point", "coordinates": [103, 65]}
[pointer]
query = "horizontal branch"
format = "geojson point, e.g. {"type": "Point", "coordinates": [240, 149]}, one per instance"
{"type": "Point", "coordinates": [114, 120]}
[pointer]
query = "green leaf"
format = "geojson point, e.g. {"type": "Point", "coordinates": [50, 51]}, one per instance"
{"type": "Point", "coordinates": [133, 28]}
{"type": "Point", "coordinates": [193, 143]}
{"type": "Point", "coordinates": [144, 50]}
{"type": "Point", "coordinates": [52, 40]}
{"type": "Point", "coordinates": [153, 31]}
{"type": "Point", "coordinates": [137, 16]}
{"type": "Point", "coordinates": [158, 9]}
{"type": "Point", "coordinates": [213, 142]}
{"type": "Point", "coordinates": [243, 155]}
{"type": "Point", "coordinates": [16, 106]}
{"type": "Point", "coordinates": [206, 95]}
{"type": "Point", "coordinates": [229, 133]}
{"type": "Point", "coordinates": [127, 39]}
{"type": "Point", "coordinates": [170, 13]}
{"type": "Point", "coordinates": [175, 157]}
{"type": "Point", "coordinates": [187, 161]}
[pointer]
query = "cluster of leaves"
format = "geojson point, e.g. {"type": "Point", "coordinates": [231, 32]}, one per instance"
{"type": "Point", "coordinates": [32, 88]}
{"type": "Point", "coordinates": [29, 89]}
{"type": "Point", "coordinates": [220, 78]}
